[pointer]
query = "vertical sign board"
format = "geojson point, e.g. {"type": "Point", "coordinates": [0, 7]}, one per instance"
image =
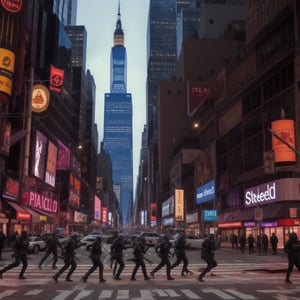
{"type": "Point", "coordinates": [179, 205]}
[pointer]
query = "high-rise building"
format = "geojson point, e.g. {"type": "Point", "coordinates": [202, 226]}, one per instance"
{"type": "Point", "coordinates": [118, 125]}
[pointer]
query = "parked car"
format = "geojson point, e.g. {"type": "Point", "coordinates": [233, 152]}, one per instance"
{"type": "Point", "coordinates": [151, 237]}
{"type": "Point", "coordinates": [192, 241]}
{"type": "Point", "coordinates": [36, 244]}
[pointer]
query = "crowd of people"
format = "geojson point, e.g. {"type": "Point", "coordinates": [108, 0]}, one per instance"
{"type": "Point", "coordinates": [162, 248]}
{"type": "Point", "coordinates": [262, 242]}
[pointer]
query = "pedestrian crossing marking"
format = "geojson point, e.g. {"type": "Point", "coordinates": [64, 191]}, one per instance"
{"type": "Point", "coordinates": [63, 294]}
{"type": "Point", "coordinates": [83, 295]}
{"type": "Point", "coordinates": [241, 295]}
{"type": "Point", "coordinates": [123, 294]}
{"type": "Point", "coordinates": [33, 293]}
{"type": "Point", "coordinates": [190, 294]}
{"type": "Point", "coordinates": [105, 294]}
{"type": "Point", "coordinates": [218, 293]}
{"type": "Point", "coordinates": [7, 293]}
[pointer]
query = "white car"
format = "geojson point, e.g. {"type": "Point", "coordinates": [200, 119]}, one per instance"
{"type": "Point", "coordinates": [88, 240]}
{"type": "Point", "coordinates": [151, 238]}
{"type": "Point", "coordinates": [36, 244]}
{"type": "Point", "coordinates": [192, 241]}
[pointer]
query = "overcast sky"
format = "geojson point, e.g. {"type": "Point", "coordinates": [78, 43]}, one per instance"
{"type": "Point", "coordinates": [100, 17]}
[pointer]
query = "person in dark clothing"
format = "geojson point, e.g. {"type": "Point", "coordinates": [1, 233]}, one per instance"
{"type": "Point", "coordinates": [265, 243]}
{"type": "Point", "coordinates": [242, 242]}
{"type": "Point", "coordinates": [163, 251]}
{"type": "Point", "coordinates": [207, 254]}
{"type": "Point", "coordinates": [20, 254]}
{"type": "Point", "coordinates": [116, 252]}
{"type": "Point", "coordinates": [180, 247]}
{"type": "Point", "coordinates": [259, 243]}
{"type": "Point", "coordinates": [234, 241]}
{"type": "Point", "coordinates": [69, 258]}
{"type": "Point", "coordinates": [251, 241]}
{"type": "Point", "coordinates": [2, 242]}
{"type": "Point", "coordinates": [52, 244]}
{"type": "Point", "coordinates": [274, 242]}
{"type": "Point", "coordinates": [95, 256]}
{"type": "Point", "coordinates": [292, 248]}
{"type": "Point", "coordinates": [139, 252]}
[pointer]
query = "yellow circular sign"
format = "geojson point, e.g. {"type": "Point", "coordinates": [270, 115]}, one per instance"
{"type": "Point", "coordinates": [40, 98]}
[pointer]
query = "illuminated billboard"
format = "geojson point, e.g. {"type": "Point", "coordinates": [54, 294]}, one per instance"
{"type": "Point", "coordinates": [51, 164]}
{"type": "Point", "coordinates": [97, 209]}
{"type": "Point", "coordinates": [39, 155]}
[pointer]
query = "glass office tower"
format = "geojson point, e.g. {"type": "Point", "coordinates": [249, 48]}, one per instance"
{"type": "Point", "coordinates": [118, 126]}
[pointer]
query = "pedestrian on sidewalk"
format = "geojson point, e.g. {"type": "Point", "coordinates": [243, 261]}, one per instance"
{"type": "Point", "coordinates": [20, 254]}
{"type": "Point", "coordinates": [163, 250]}
{"type": "Point", "coordinates": [69, 257]}
{"type": "Point", "coordinates": [139, 252]}
{"type": "Point", "coordinates": [2, 242]}
{"type": "Point", "coordinates": [208, 255]}
{"type": "Point", "coordinates": [52, 244]}
{"type": "Point", "coordinates": [180, 248]}
{"type": "Point", "coordinates": [242, 241]}
{"type": "Point", "coordinates": [234, 241]}
{"type": "Point", "coordinates": [116, 252]}
{"type": "Point", "coordinates": [274, 242]}
{"type": "Point", "coordinates": [95, 256]}
{"type": "Point", "coordinates": [292, 248]}
{"type": "Point", "coordinates": [251, 241]}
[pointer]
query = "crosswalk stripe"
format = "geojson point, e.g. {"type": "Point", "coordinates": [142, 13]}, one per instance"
{"type": "Point", "coordinates": [33, 293]}
{"type": "Point", "coordinates": [83, 295]}
{"type": "Point", "coordinates": [190, 294]}
{"type": "Point", "coordinates": [105, 294]}
{"type": "Point", "coordinates": [123, 294]}
{"type": "Point", "coordinates": [63, 294]}
{"type": "Point", "coordinates": [241, 295]}
{"type": "Point", "coordinates": [219, 293]}
{"type": "Point", "coordinates": [7, 293]}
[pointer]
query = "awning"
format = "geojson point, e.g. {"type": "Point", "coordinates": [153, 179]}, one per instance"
{"type": "Point", "coordinates": [49, 216]}
{"type": "Point", "coordinates": [35, 215]}
{"type": "Point", "coordinates": [21, 212]}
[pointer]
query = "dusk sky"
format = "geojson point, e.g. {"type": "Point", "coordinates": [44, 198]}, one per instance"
{"type": "Point", "coordinates": [100, 17]}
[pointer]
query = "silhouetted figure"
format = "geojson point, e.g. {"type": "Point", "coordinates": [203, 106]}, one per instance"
{"type": "Point", "coordinates": [116, 252]}
{"type": "Point", "coordinates": [69, 258]}
{"type": "Point", "coordinates": [2, 242]}
{"type": "Point", "coordinates": [274, 242]}
{"type": "Point", "coordinates": [52, 244]}
{"type": "Point", "coordinates": [139, 251]}
{"type": "Point", "coordinates": [242, 243]}
{"type": "Point", "coordinates": [180, 247]}
{"type": "Point", "coordinates": [234, 241]}
{"type": "Point", "coordinates": [208, 255]}
{"type": "Point", "coordinates": [265, 243]}
{"type": "Point", "coordinates": [20, 254]}
{"type": "Point", "coordinates": [251, 242]}
{"type": "Point", "coordinates": [163, 251]}
{"type": "Point", "coordinates": [292, 248]}
{"type": "Point", "coordinates": [95, 256]}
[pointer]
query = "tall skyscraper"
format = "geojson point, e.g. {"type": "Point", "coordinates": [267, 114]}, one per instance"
{"type": "Point", "coordinates": [118, 125]}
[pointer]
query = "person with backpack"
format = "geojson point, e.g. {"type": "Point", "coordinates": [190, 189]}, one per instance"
{"type": "Point", "coordinates": [95, 256]}
{"type": "Point", "coordinates": [163, 251]}
{"type": "Point", "coordinates": [180, 247]}
{"type": "Point", "coordinates": [52, 244]}
{"type": "Point", "coordinates": [207, 254]}
{"type": "Point", "coordinates": [116, 252]}
{"type": "Point", "coordinates": [69, 258]}
{"type": "Point", "coordinates": [139, 252]}
{"type": "Point", "coordinates": [20, 254]}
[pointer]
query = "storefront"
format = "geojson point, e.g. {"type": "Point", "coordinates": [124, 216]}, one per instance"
{"type": "Point", "coordinates": [269, 208]}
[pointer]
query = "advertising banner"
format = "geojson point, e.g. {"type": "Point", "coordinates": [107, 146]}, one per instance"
{"type": "Point", "coordinates": [7, 66]}
{"type": "Point", "coordinates": [97, 209]}
{"type": "Point", "coordinates": [56, 79]}
{"type": "Point", "coordinates": [179, 205]}
{"type": "Point", "coordinates": [284, 129]}
{"type": "Point", "coordinates": [206, 192]}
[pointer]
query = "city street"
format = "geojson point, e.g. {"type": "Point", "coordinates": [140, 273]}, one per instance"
{"type": "Point", "coordinates": [238, 276]}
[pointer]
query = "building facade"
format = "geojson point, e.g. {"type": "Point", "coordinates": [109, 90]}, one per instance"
{"type": "Point", "coordinates": [118, 127]}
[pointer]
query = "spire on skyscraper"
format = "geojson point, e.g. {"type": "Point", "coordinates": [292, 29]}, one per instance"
{"type": "Point", "coordinates": [119, 34]}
